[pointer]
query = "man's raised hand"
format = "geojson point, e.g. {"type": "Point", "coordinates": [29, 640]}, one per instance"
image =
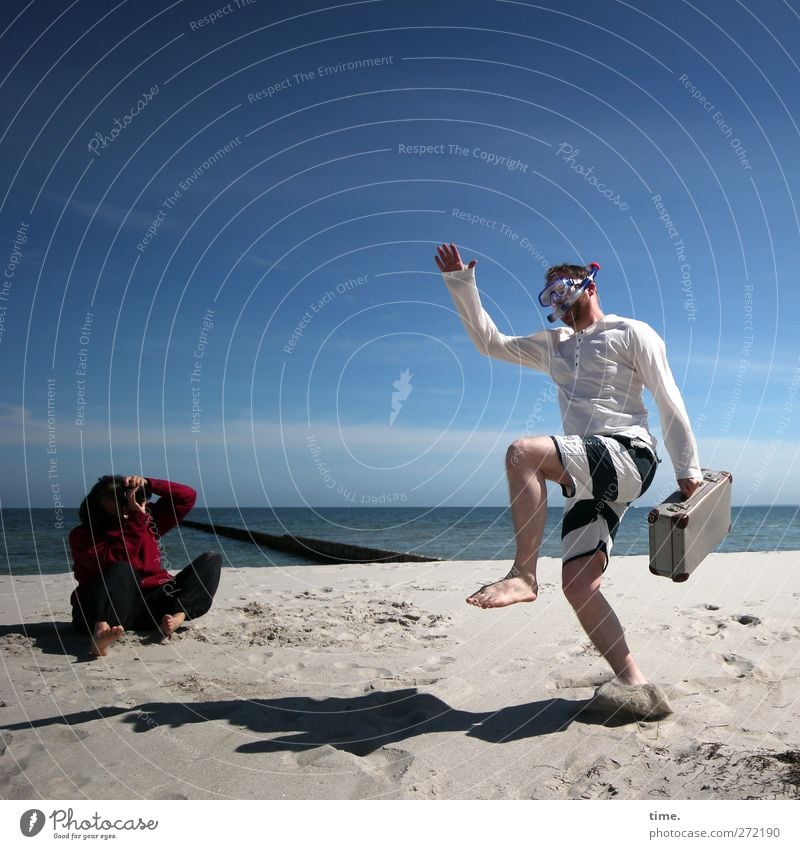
{"type": "Point", "coordinates": [449, 259]}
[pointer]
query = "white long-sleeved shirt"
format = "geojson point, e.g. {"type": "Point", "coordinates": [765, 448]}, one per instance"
{"type": "Point", "coordinates": [600, 373]}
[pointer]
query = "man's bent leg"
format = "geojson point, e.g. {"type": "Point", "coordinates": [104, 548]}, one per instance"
{"type": "Point", "coordinates": [530, 463]}
{"type": "Point", "coordinates": [581, 579]}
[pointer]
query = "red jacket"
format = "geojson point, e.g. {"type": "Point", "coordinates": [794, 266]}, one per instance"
{"type": "Point", "coordinates": [131, 541]}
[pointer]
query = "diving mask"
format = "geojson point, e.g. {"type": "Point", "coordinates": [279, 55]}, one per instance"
{"type": "Point", "coordinates": [563, 292]}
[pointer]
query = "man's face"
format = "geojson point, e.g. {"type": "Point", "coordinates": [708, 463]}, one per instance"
{"type": "Point", "coordinates": [577, 311]}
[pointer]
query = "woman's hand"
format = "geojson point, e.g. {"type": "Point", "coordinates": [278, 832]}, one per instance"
{"type": "Point", "coordinates": [136, 481]}
{"type": "Point", "coordinates": [449, 259]}
{"type": "Point", "coordinates": [133, 484]}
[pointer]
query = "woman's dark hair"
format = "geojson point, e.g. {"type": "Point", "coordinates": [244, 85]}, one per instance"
{"type": "Point", "coordinates": [91, 511]}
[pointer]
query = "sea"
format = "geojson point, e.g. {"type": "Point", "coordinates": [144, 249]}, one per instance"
{"type": "Point", "coordinates": [32, 542]}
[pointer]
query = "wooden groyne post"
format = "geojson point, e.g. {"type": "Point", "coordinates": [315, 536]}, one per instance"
{"type": "Point", "coordinates": [319, 550]}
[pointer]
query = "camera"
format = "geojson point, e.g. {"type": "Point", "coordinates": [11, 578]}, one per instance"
{"type": "Point", "coordinates": [142, 493]}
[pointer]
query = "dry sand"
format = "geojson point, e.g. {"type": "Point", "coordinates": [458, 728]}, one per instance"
{"type": "Point", "coordinates": [353, 682]}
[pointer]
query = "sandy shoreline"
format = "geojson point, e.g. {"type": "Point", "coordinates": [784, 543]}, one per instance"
{"type": "Point", "coordinates": [379, 681]}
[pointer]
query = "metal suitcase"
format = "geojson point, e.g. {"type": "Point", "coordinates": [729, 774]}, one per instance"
{"type": "Point", "coordinates": [682, 532]}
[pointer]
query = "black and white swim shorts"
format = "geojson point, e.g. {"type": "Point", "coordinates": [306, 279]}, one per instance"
{"type": "Point", "coordinates": [607, 474]}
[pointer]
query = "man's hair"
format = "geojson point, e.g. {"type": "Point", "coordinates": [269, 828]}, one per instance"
{"type": "Point", "coordinates": [573, 272]}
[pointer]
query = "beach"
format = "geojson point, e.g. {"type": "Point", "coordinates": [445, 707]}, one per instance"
{"type": "Point", "coordinates": [378, 681]}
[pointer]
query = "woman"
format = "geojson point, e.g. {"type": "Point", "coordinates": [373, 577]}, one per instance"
{"type": "Point", "coordinates": [122, 582]}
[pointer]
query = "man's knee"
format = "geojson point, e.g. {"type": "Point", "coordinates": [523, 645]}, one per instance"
{"type": "Point", "coordinates": [537, 455]}
{"type": "Point", "coordinates": [581, 578]}
{"type": "Point", "coordinates": [529, 452]}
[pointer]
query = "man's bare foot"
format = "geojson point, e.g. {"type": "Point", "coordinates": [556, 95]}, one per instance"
{"type": "Point", "coordinates": [104, 635]}
{"type": "Point", "coordinates": [512, 589]}
{"type": "Point", "coordinates": [170, 622]}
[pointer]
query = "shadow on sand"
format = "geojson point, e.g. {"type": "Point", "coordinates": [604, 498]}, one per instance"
{"type": "Point", "coordinates": [53, 637]}
{"type": "Point", "coordinates": [50, 636]}
{"type": "Point", "coordinates": [358, 725]}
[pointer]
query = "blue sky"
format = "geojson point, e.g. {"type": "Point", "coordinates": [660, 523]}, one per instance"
{"type": "Point", "coordinates": [250, 187]}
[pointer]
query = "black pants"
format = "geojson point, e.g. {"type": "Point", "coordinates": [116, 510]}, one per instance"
{"type": "Point", "coordinates": [117, 598]}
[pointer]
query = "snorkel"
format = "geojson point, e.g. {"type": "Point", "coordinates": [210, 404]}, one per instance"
{"type": "Point", "coordinates": [563, 292]}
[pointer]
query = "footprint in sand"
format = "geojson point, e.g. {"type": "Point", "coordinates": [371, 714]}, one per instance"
{"type": "Point", "coordinates": [356, 672]}
{"type": "Point", "coordinates": [510, 666]}
{"type": "Point", "coordinates": [381, 768]}
{"type": "Point", "coordinates": [256, 658]}
{"type": "Point", "coordinates": [290, 670]}
{"type": "Point", "coordinates": [747, 619]}
{"type": "Point", "coordinates": [391, 761]}
{"type": "Point", "coordinates": [702, 625]}
{"type": "Point", "coordinates": [426, 673]}
{"type": "Point", "coordinates": [576, 650]}
{"type": "Point", "coordinates": [436, 663]}
{"type": "Point", "coordinates": [743, 667]}
{"type": "Point", "coordinates": [710, 628]}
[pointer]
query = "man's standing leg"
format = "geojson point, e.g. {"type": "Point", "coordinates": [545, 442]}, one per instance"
{"type": "Point", "coordinates": [581, 580]}
{"type": "Point", "coordinates": [629, 693]}
{"type": "Point", "coordinates": [530, 463]}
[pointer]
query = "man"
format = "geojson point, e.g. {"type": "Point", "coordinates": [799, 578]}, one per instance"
{"type": "Point", "coordinates": [605, 460]}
